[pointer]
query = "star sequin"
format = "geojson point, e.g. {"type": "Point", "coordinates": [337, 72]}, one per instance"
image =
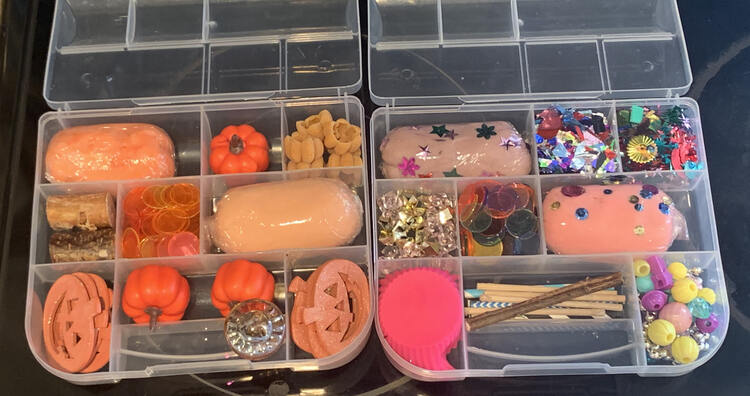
{"type": "Point", "coordinates": [424, 152]}
{"type": "Point", "coordinates": [451, 134]}
{"type": "Point", "coordinates": [408, 167]}
{"type": "Point", "coordinates": [511, 141]}
{"type": "Point", "coordinates": [452, 173]}
{"type": "Point", "coordinates": [439, 130]}
{"type": "Point", "coordinates": [486, 131]}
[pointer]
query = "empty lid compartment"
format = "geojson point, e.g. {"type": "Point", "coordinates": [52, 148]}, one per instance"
{"type": "Point", "coordinates": [115, 53]}
{"type": "Point", "coordinates": [454, 51]}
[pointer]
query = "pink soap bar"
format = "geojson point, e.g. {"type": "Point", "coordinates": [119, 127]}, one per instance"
{"type": "Point", "coordinates": [493, 148]}
{"type": "Point", "coordinates": [306, 213]}
{"type": "Point", "coordinates": [610, 219]}
{"type": "Point", "coordinates": [109, 152]}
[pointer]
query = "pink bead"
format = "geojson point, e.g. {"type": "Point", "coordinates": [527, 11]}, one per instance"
{"type": "Point", "coordinates": [678, 315]}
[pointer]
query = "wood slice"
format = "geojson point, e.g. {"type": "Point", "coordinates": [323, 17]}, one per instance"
{"type": "Point", "coordinates": [85, 211]}
{"type": "Point", "coordinates": [80, 245]}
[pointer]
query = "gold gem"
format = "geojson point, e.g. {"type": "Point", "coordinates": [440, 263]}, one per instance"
{"type": "Point", "coordinates": [633, 199]}
{"type": "Point", "coordinates": [639, 230]}
{"type": "Point", "coordinates": [555, 205]}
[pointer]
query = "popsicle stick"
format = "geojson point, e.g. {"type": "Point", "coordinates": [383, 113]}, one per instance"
{"type": "Point", "coordinates": [567, 304]}
{"type": "Point", "coordinates": [469, 293]}
{"type": "Point", "coordinates": [528, 288]}
{"type": "Point", "coordinates": [544, 311]}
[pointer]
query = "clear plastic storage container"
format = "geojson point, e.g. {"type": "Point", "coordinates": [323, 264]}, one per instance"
{"type": "Point", "coordinates": [106, 54]}
{"type": "Point", "coordinates": [459, 60]}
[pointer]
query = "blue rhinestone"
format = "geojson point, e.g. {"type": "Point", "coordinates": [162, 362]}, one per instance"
{"type": "Point", "coordinates": [638, 207]}
{"type": "Point", "coordinates": [664, 208]}
{"type": "Point", "coordinates": [582, 214]}
{"type": "Point", "coordinates": [646, 194]}
{"type": "Point", "coordinates": [607, 191]}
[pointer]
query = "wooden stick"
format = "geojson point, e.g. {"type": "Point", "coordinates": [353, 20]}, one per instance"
{"type": "Point", "coordinates": [544, 311]}
{"type": "Point", "coordinates": [591, 297]}
{"type": "Point", "coordinates": [526, 288]}
{"type": "Point", "coordinates": [570, 304]}
{"type": "Point", "coordinates": [557, 295]}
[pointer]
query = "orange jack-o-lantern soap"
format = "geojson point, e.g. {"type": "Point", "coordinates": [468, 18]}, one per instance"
{"type": "Point", "coordinates": [109, 152]}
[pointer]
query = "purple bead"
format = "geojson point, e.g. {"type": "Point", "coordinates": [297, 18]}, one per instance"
{"type": "Point", "coordinates": [709, 324]}
{"type": "Point", "coordinates": [659, 275]}
{"type": "Point", "coordinates": [573, 190]}
{"type": "Point", "coordinates": [650, 188]}
{"type": "Point", "coordinates": [654, 300]}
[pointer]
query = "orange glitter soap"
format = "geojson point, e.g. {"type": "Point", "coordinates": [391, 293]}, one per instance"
{"type": "Point", "coordinates": [109, 152]}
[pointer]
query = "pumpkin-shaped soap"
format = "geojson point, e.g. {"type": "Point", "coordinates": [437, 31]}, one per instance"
{"type": "Point", "coordinates": [241, 280]}
{"type": "Point", "coordinates": [155, 293]}
{"type": "Point", "coordinates": [239, 149]}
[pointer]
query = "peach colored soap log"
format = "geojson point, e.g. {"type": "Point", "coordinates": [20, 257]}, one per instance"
{"type": "Point", "coordinates": [109, 152]}
{"type": "Point", "coordinates": [610, 219]}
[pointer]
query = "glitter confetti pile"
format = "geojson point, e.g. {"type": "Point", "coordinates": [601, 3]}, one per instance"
{"type": "Point", "coordinates": [413, 224]}
{"type": "Point", "coordinates": [574, 141]}
{"type": "Point", "coordinates": [656, 138]}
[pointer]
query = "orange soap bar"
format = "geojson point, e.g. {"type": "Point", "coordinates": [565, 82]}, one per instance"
{"type": "Point", "coordinates": [306, 213]}
{"type": "Point", "coordinates": [109, 152]}
{"type": "Point", "coordinates": [610, 219]}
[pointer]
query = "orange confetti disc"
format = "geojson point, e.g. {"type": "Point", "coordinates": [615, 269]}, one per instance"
{"type": "Point", "coordinates": [133, 204]}
{"type": "Point", "coordinates": [162, 247]}
{"type": "Point", "coordinates": [148, 246]}
{"type": "Point", "coordinates": [170, 220]}
{"type": "Point", "coordinates": [130, 242]}
{"type": "Point", "coordinates": [147, 225]}
{"type": "Point", "coordinates": [184, 194]}
{"type": "Point", "coordinates": [152, 197]}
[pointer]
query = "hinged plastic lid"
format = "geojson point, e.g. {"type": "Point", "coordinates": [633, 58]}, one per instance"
{"type": "Point", "coordinates": [117, 53]}
{"type": "Point", "coordinates": [461, 51]}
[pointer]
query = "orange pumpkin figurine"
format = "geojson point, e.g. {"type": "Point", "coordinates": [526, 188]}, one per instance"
{"type": "Point", "coordinates": [239, 149]}
{"type": "Point", "coordinates": [155, 293]}
{"type": "Point", "coordinates": [241, 280]}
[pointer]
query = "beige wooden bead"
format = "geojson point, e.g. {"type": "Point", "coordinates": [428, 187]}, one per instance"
{"type": "Point", "coordinates": [331, 140]}
{"type": "Point", "coordinates": [293, 149]}
{"type": "Point", "coordinates": [342, 147]}
{"type": "Point", "coordinates": [347, 159]}
{"type": "Point", "coordinates": [325, 117]}
{"type": "Point", "coordinates": [308, 150]}
{"type": "Point", "coordinates": [334, 160]}
{"type": "Point", "coordinates": [318, 163]}
{"type": "Point", "coordinates": [318, 148]}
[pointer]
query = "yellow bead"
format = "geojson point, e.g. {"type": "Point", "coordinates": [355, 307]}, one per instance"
{"type": "Point", "coordinates": [677, 270]}
{"type": "Point", "coordinates": [661, 332]}
{"type": "Point", "coordinates": [684, 290]}
{"type": "Point", "coordinates": [707, 294]}
{"type": "Point", "coordinates": [641, 267]}
{"type": "Point", "coordinates": [684, 349]}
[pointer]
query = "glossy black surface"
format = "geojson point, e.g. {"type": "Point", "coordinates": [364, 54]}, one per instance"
{"type": "Point", "coordinates": [718, 37]}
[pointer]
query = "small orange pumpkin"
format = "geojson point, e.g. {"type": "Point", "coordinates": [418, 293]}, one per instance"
{"type": "Point", "coordinates": [240, 280]}
{"type": "Point", "coordinates": [239, 149]}
{"type": "Point", "coordinates": [155, 293]}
